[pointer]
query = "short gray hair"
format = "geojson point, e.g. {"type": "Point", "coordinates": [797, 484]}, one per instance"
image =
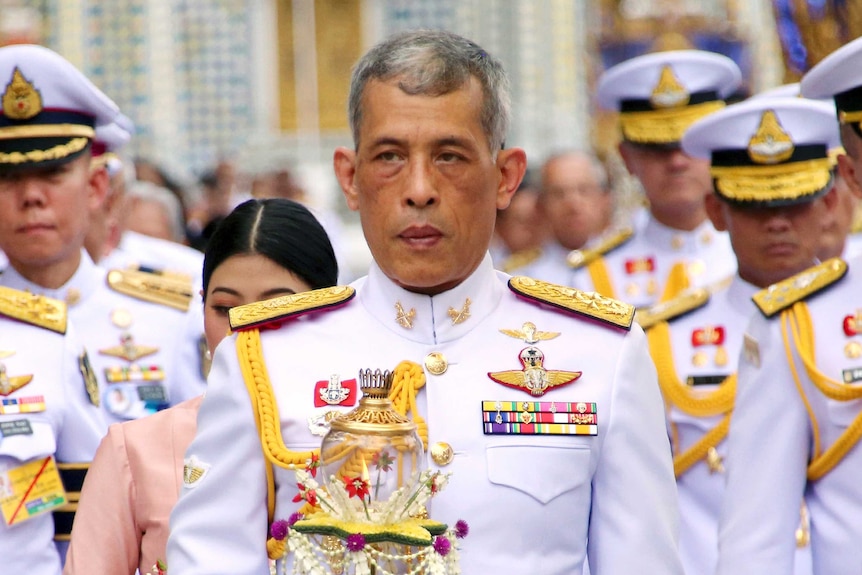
{"type": "Point", "coordinates": [433, 63]}
{"type": "Point", "coordinates": [166, 199]}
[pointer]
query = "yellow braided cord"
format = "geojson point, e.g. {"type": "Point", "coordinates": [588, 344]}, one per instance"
{"type": "Point", "coordinates": [407, 379]}
{"type": "Point", "coordinates": [678, 394]}
{"type": "Point", "coordinates": [260, 388]}
{"type": "Point", "coordinates": [698, 451]}
{"type": "Point", "coordinates": [815, 429]}
{"type": "Point", "coordinates": [677, 281]}
{"type": "Point", "coordinates": [803, 338]}
{"type": "Point", "coordinates": [600, 278]}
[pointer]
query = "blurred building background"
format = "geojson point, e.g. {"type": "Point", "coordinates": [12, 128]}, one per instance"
{"type": "Point", "coordinates": [263, 83]}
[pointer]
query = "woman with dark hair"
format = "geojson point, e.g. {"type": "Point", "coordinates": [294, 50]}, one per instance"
{"type": "Point", "coordinates": [263, 249]}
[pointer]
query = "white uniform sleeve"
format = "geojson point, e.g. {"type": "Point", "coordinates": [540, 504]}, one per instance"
{"type": "Point", "coordinates": [219, 524]}
{"type": "Point", "coordinates": [634, 516]}
{"type": "Point", "coordinates": [187, 379]}
{"type": "Point", "coordinates": [768, 449]}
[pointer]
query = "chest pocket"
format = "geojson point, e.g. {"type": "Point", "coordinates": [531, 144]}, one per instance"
{"type": "Point", "coordinates": [24, 447]}
{"type": "Point", "coordinates": [543, 473]}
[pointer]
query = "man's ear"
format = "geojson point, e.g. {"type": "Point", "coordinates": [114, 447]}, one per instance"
{"type": "Point", "coordinates": [512, 163]}
{"type": "Point", "coordinates": [99, 185]}
{"type": "Point", "coordinates": [715, 212]}
{"type": "Point", "coordinates": [344, 164]}
{"type": "Point", "coordinates": [847, 172]}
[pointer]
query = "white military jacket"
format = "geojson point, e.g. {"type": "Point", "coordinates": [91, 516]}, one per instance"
{"type": "Point", "coordinates": [50, 415]}
{"type": "Point", "coordinates": [535, 503]}
{"type": "Point", "coordinates": [704, 345]}
{"type": "Point", "coordinates": [101, 316]}
{"type": "Point", "coordinates": [639, 270]}
{"type": "Point", "coordinates": [783, 421]}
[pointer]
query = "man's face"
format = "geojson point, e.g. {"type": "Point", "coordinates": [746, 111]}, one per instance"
{"type": "Point", "coordinates": [44, 212]}
{"type": "Point", "coordinates": [573, 200]}
{"type": "Point", "coordinates": [425, 183]}
{"type": "Point", "coordinates": [671, 179]}
{"type": "Point", "coordinates": [771, 244]}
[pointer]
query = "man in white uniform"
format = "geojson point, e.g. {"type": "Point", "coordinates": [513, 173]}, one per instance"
{"type": "Point", "coordinates": [140, 331]}
{"type": "Point", "coordinates": [429, 112]}
{"type": "Point", "coordinates": [658, 96]}
{"type": "Point", "coordinates": [798, 386]}
{"type": "Point", "coordinates": [695, 339]}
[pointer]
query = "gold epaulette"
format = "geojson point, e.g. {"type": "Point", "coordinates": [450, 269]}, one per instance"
{"type": "Point", "coordinates": [288, 306]}
{"type": "Point", "coordinates": [590, 304]}
{"type": "Point", "coordinates": [520, 259]}
{"type": "Point", "coordinates": [38, 310]}
{"type": "Point", "coordinates": [153, 288]}
{"type": "Point", "coordinates": [175, 275]}
{"type": "Point", "coordinates": [782, 295]}
{"type": "Point", "coordinates": [580, 258]}
{"type": "Point", "coordinates": [687, 301]}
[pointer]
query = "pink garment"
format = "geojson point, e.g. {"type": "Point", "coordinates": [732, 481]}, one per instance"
{"type": "Point", "coordinates": [133, 483]}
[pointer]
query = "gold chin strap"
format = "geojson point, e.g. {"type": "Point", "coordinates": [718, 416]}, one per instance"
{"type": "Point", "coordinates": [408, 379]}
{"type": "Point", "coordinates": [601, 279]}
{"type": "Point", "coordinates": [796, 324]}
{"type": "Point", "coordinates": [689, 400]}
{"type": "Point", "coordinates": [677, 281]}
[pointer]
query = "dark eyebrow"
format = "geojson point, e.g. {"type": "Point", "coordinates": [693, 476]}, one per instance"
{"type": "Point", "coordinates": [267, 294]}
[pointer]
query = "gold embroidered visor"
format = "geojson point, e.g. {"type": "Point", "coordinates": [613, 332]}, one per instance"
{"type": "Point", "coordinates": [665, 125]}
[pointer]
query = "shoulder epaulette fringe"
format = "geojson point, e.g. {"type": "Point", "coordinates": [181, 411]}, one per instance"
{"type": "Point", "coordinates": [780, 296]}
{"type": "Point", "coordinates": [520, 259]}
{"type": "Point", "coordinates": [37, 310]}
{"type": "Point", "coordinates": [153, 288]}
{"type": "Point", "coordinates": [580, 258]}
{"type": "Point", "coordinates": [590, 304]}
{"type": "Point", "coordinates": [687, 301]}
{"type": "Point", "coordinates": [288, 306]}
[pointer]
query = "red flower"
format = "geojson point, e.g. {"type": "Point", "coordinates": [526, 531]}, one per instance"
{"type": "Point", "coordinates": [382, 461]}
{"type": "Point", "coordinates": [305, 495]}
{"type": "Point", "coordinates": [356, 487]}
{"type": "Point", "coordinates": [312, 464]}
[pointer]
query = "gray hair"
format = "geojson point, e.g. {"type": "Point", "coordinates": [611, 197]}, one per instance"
{"type": "Point", "coordinates": [433, 63]}
{"type": "Point", "coordinates": [600, 171]}
{"type": "Point", "coordinates": [166, 199]}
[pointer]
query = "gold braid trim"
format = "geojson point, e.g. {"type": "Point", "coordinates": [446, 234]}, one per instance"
{"type": "Point", "coordinates": [677, 281]}
{"type": "Point", "coordinates": [266, 419]}
{"type": "Point", "coordinates": [601, 279]}
{"type": "Point", "coordinates": [677, 393]}
{"type": "Point", "coordinates": [797, 320]}
{"type": "Point", "coordinates": [698, 451]}
{"type": "Point", "coordinates": [407, 379]}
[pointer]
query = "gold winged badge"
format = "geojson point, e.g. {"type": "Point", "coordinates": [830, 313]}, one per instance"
{"type": "Point", "coordinates": [534, 378]}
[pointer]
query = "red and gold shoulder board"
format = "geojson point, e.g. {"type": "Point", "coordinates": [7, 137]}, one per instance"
{"type": "Point", "coordinates": [37, 310]}
{"type": "Point", "coordinates": [589, 304]}
{"type": "Point", "coordinates": [780, 296]}
{"type": "Point", "coordinates": [687, 301]}
{"type": "Point", "coordinates": [580, 258]}
{"type": "Point", "coordinates": [285, 307]}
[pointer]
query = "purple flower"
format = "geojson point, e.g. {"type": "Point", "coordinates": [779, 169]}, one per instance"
{"type": "Point", "coordinates": [356, 542]}
{"type": "Point", "coordinates": [279, 529]}
{"type": "Point", "coordinates": [294, 517]}
{"type": "Point", "coordinates": [461, 529]}
{"type": "Point", "coordinates": [442, 546]}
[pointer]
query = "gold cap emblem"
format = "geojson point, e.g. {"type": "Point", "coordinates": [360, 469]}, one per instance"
{"type": "Point", "coordinates": [770, 144]}
{"type": "Point", "coordinates": [21, 101]}
{"type": "Point", "coordinates": [669, 92]}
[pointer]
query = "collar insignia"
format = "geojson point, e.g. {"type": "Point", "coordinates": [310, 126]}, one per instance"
{"type": "Point", "coordinates": [534, 378]}
{"type": "Point", "coordinates": [669, 92]}
{"type": "Point", "coordinates": [462, 315]}
{"type": "Point", "coordinates": [404, 318]}
{"type": "Point", "coordinates": [770, 144]}
{"type": "Point", "coordinates": [21, 101]}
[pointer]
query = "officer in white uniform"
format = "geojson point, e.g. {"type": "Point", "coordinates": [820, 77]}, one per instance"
{"type": "Point", "coordinates": [141, 333]}
{"type": "Point", "coordinates": [804, 399]}
{"type": "Point", "coordinates": [658, 96]}
{"type": "Point", "coordinates": [47, 415]}
{"type": "Point", "coordinates": [695, 339]}
{"type": "Point", "coordinates": [427, 177]}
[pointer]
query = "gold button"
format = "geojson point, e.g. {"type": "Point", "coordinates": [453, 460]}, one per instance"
{"type": "Point", "coordinates": [442, 453]}
{"type": "Point", "coordinates": [73, 296]}
{"type": "Point", "coordinates": [435, 363]}
{"type": "Point", "coordinates": [696, 267]}
{"type": "Point", "coordinates": [677, 242]}
{"type": "Point", "coordinates": [121, 318]}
